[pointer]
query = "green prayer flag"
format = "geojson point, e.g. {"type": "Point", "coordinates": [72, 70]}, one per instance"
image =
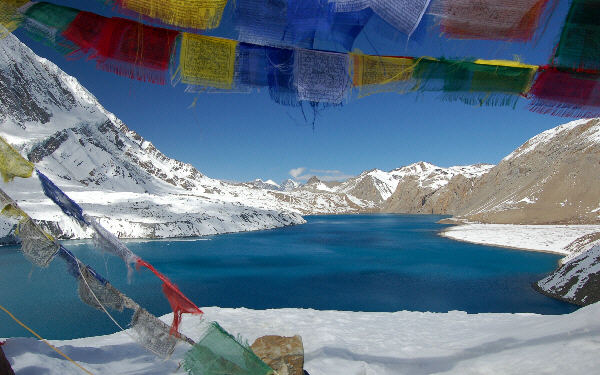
{"type": "Point", "coordinates": [219, 353]}
{"type": "Point", "coordinates": [51, 15]}
{"type": "Point", "coordinates": [579, 45]}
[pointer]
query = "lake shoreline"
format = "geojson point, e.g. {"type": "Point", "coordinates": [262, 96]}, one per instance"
{"type": "Point", "coordinates": [552, 239]}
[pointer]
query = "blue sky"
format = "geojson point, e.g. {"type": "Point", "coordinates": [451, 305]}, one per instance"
{"type": "Point", "coordinates": [241, 137]}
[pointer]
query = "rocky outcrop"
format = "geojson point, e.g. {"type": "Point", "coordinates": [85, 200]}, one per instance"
{"type": "Point", "coordinates": [577, 280]}
{"type": "Point", "coordinates": [5, 368]}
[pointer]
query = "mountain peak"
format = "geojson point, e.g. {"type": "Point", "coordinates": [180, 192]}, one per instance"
{"type": "Point", "coordinates": [313, 180]}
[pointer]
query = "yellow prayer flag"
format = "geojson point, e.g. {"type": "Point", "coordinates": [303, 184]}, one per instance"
{"type": "Point", "coordinates": [12, 164]}
{"type": "Point", "coordinates": [10, 18]}
{"type": "Point", "coordinates": [374, 70]}
{"type": "Point", "coordinates": [207, 61]}
{"type": "Point", "coordinates": [13, 212]}
{"type": "Point", "coordinates": [195, 14]}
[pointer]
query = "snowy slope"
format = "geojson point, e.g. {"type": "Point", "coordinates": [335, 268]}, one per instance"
{"type": "Point", "coordinates": [360, 343]}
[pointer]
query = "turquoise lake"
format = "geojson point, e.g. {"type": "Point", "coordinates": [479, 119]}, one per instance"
{"type": "Point", "coordinates": [357, 262]}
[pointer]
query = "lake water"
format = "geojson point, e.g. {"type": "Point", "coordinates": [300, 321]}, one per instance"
{"type": "Point", "coordinates": [358, 262]}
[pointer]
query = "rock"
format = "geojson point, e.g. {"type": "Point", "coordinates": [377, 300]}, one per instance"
{"type": "Point", "coordinates": [5, 368]}
{"type": "Point", "coordinates": [285, 355]}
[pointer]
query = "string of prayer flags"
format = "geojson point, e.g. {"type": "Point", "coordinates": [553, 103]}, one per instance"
{"type": "Point", "coordinates": [207, 61]}
{"type": "Point", "coordinates": [566, 93]}
{"type": "Point", "coordinates": [147, 330]}
{"type": "Point", "coordinates": [372, 74]}
{"type": "Point", "coordinates": [321, 77]}
{"type": "Point", "coordinates": [12, 164]}
{"type": "Point", "coordinates": [189, 14]}
{"type": "Point", "coordinates": [579, 46]}
{"type": "Point", "coordinates": [514, 20]}
{"type": "Point", "coordinates": [40, 248]}
{"type": "Point", "coordinates": [107, 241]}
{"type": "Point", "coordinates": [217, 352]}
{"type": "Point", "coordinates": [94, 290]}
{"type": "Point", "coordinates": [179, 302]}
{"type": "Point", "coordinates": [57, 196]}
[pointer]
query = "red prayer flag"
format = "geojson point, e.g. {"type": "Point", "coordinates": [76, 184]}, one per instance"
{"type": "Point", "coordinates": [124, 47]}
{"type": "Point", "coordinates": [561, 93]}
{"type": "Point", "coordinates": [179, 302]}
{"type": "Point", "coordinates": [85, 31]}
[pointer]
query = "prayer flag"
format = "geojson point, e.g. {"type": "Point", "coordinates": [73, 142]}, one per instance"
{"type": "Point", "coordinates": [179, 302]}
{"type": "Point", "coordinates": [12, 164]}
{"type": "Point", "coordinates": [579, 46]}
{"type": "Point", "coordinates": [566, 93]}
{"type": "Point", "coordinates": [135, 50]}
{"type": "Point", "coordinates": [207, 61]}
{"type": "Point", "coordinates": [152, 333]}
{"type": "Point", "coordinates": [372, 74]}
{"type": "Point", "coordinates": [321, 77]}
{"type": "Point", "coordinates": [217, 352]}
{"type": "Point", "coordinates": [10, 18]}
{"type": "Point", "coordinates": [66, 204]}
{"type": "Point", "coordinates": [194, 14]}
{"type": "Point", "coordinates": [110, 243]}
{"type": "Point", "coordinates": [489, 19]}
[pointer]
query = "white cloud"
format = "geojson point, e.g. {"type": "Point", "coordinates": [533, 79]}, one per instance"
{"type": "Point", "coordinates": [297, 172]}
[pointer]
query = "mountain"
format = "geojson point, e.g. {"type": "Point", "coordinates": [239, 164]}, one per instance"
{"type": "Point", "coordinates": [553, 178]}
{"type": "Point", "coordinates": [289, 185]}
{"type": "Point", "coordinates": [114, 173]}
{"type": "Point", "coordinates": [423, 187]}
{"type": "Point", "coordinates": [267, 185]}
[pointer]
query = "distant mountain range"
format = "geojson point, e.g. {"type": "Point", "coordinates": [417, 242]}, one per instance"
{"type": "Point", "coordinates": [136, 191]}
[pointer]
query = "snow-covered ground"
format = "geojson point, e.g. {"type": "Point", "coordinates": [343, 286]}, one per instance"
{"type": "Point", "coordinates": [359, 343]}
{"type": "Point", "coordinates": [550, 238]}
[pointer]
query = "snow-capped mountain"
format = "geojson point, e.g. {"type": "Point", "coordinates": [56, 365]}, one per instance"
{"type": "Point", "coordinates": [289, 185]}
{"type": "Point", "coordinates": [267, 185]}
{"type": "Point", "coordinates": [115, 175]}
